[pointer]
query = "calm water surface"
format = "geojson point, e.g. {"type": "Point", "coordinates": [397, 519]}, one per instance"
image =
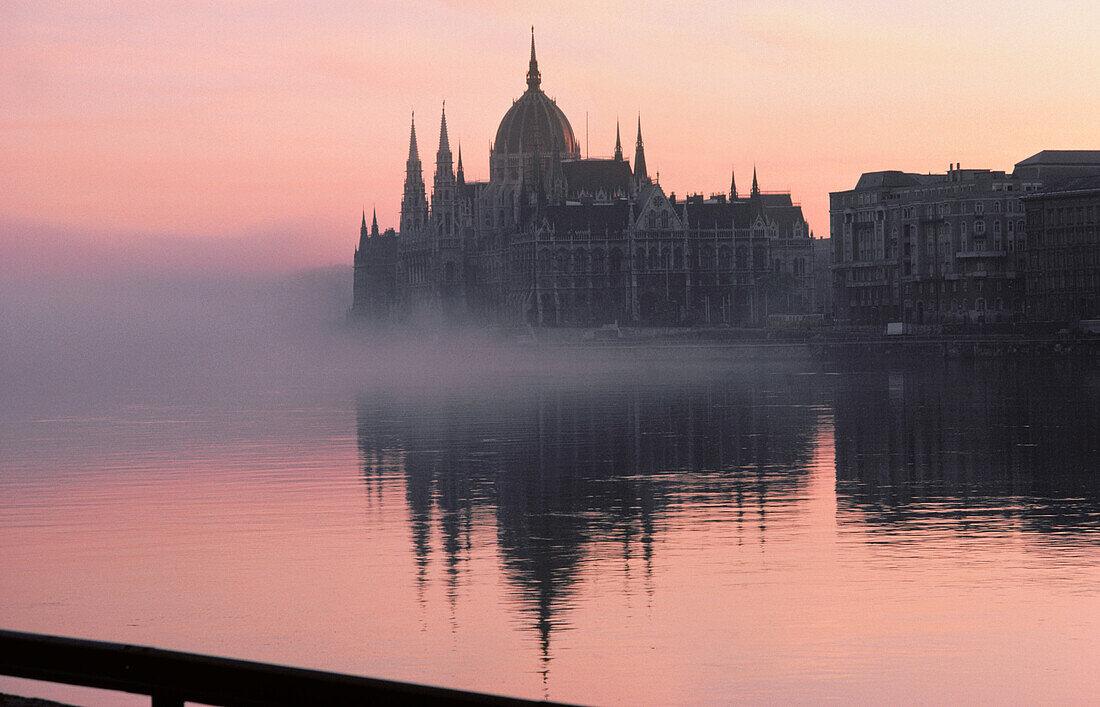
{"type": "Point", "coordinates": [666, 533]}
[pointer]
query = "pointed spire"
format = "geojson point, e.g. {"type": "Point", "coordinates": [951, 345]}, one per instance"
{"type": "Point", "coordinates": [414, 203]}
{"type": "Point", "coordinates": [755, 186]}
{"type": "Point", "coordinates": [733, 186]}
{"type": "Point", "coordinates": [618, 143]}
{"type": "Point", "coordinates": [534, 78]}
{"type": "Point", "coordinates": [460, 176]}
{"type": "Point", "coordinates": [444, 143]}
{"type": "Point", "coordinates": [640, 173]}
{"type": "Point", "coordinates": [414, 155]}
{"type": "Point", "coordinates": [363, 234]}
{"type": "Point", "coordinates": [374, 223]}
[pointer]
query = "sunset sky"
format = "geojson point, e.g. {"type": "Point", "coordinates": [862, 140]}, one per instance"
{"type": "Point", "coordinates": [275, 123]}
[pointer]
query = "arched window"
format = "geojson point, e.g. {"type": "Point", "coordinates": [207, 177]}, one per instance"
{"type": "Point", "coordinates": [742, 258]}
{"type": "Point", "coordinates": [580, 260]}
{"type": "Point", "coordinates": [615, 260]}
{"type": "Point", "coordinates": [561, 261]}
{"type": "Point", "coordinates": [725, 258]}
{"type": "Point", "coordinates": [706, 256]}
{"type": "Point", "coordinates": [597, 260]}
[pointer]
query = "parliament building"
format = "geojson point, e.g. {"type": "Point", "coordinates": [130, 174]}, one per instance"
{"type": "Point", "coordinates": [552, 239]}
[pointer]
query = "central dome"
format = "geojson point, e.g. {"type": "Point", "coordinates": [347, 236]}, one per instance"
{"type": "Point", "coordinates": [534, 124]}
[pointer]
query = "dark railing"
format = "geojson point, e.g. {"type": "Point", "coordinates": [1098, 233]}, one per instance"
{"type": "Point", "coordinates": [171, 678]}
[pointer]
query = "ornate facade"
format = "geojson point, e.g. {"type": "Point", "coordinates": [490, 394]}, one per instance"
{"type": "Point", "coordinates": [552, 239]}
{"type": "Point", "coordinates": [948, 248]}
{"type": "Point", "coordinates": [1063, 251]}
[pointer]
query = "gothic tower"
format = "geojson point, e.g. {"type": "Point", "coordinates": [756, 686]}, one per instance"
{"type": "Point", "coordinates": [443, 191]}
{"type": "Point", "coordinates": [414, 203]}
{"type": "Point", "coordinates": [641, 177]}
{"type": "Point", "coordinates": [463, 211]}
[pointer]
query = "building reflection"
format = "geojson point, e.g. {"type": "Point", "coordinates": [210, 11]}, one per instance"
{"type": "Point", "coordinates": [564, 478]}
{"type": "Point", "coordinates": [984, 446]}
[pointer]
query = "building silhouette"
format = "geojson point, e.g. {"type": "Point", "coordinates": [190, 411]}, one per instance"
{"type": "Point", "coordinates": [1063, 253]}
{"type": "Point", "coordinates": [940, 248]}
{"type": "Point", "coordinates": [553, 239]}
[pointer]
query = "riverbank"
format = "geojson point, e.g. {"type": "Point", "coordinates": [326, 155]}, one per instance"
{"type": "Point", "coordinates": [834, 342]}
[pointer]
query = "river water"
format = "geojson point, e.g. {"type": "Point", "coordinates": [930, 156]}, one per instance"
{"type": "Point", "coordinates": [692, 527]}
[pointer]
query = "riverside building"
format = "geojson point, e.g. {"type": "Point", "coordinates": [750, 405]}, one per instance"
{"type": "Point", "coordinates": [1063, 251]}
{"type": "Point", "coordinates": [552, 239]}
{"type": "Point", "coordinates": [939, 248]}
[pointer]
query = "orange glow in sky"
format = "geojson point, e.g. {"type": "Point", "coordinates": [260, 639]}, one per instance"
{"type": "Point", "coordinates": [243, 119]}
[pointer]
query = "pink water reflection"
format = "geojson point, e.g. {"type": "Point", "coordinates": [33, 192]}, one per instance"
{"type": "Point", "coordinates": [399, 545]}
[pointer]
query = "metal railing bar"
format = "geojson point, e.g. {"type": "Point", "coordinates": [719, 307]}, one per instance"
{"type": "Point", "coordinates": [172, 677]}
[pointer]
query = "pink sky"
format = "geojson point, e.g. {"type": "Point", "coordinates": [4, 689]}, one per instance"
{"type": "Point", "coordinates": [247, 118]}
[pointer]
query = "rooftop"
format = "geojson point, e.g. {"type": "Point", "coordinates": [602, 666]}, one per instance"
{"type": "Point", "coordinates": [1063, 157]}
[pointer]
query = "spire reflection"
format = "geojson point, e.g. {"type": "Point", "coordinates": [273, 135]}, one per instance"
{"type": "Point", "coordinates": [561, 480]}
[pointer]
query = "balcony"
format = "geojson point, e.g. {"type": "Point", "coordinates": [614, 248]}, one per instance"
{"type": "Point", "coordinates": [981, 254]}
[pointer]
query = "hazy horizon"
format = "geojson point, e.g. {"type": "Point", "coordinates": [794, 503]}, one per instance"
{"type": "Point", "coordinates": [270, 121]}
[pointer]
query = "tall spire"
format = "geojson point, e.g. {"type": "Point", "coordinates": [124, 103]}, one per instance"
{"type": "Point", "coordinates": [414, 203]}
{"type": "Point", "coordinates": [534, 78]}
{"type": "Point", "coordinates": [755, 186]}
{"type": "Point", "coordinates": [460, 176]}
{"type": "Point", "coordinates": [443, 190]}
{"type": "Point", "coordinates": [374, 223]}
{"type": "Point", "coordinates": [362, 249]}
{"type": "Point", "coordinates": [640, 174]}
{"type": "Point", "coordinates": [733, 186]}
{"type": "Point", "coordinates": [444, 143]}
{"type": "Point", "coordinates": [618, 143]}
{"type": "Point", "coordinates": [414, 155]}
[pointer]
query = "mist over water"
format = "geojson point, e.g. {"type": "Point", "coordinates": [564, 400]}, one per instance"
{"type": "Point", "coordinates": [216, 462]}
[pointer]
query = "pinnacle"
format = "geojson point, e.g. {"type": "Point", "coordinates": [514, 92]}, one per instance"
{"type": "Point", "coordinates": [444, 143]}
{"type": "Point", "coordinates": [533, 76]}
{"type": "Point", "coordinates": [414, 156]}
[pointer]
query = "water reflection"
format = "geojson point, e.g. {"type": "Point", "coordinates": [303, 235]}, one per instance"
{"type": "Point", "coordinates": [774, 534]}
{"type": "Point", "coordinates": [565, 477]}
{"type": "Point", "coordinates": [981, 448]}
